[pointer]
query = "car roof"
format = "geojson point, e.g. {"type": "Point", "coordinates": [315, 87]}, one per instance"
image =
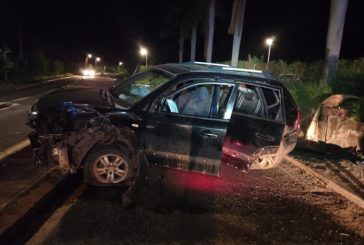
{"type": "Point", "coordinates": [188, 67]}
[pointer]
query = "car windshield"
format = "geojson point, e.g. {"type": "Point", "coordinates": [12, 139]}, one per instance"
{"type": "Point", "coordinates": [132, 90]}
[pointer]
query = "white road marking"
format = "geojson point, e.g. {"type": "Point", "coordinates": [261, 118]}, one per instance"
{"type": "Point", "coordinates": [13, 149]}
{"type": "Point", "coordinates": [20, 99]}
{"type": "Point", "coordinates": [11, 105]}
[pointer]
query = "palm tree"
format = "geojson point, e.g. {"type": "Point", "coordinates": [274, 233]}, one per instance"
{"type": "Point", "coordinates": [181, 42]}
{"type": "Point", "coordinates": [334, 38]}
{"type": "Point", "coordinates": [193, 41]}
{"type": "Point", "coordinates": [195, 16]}
{"type": "Point", "coordinates": [188, 14]}
{"type": "Point", "coordinates": [182, 15]}
{"type": "Point", "coordinates": [236, 28]}
{"type": "Point", "coordinates": [210, 30]}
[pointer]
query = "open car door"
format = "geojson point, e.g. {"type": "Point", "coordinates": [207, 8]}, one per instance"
{"type": "Point", "coordinates": [256, 126]}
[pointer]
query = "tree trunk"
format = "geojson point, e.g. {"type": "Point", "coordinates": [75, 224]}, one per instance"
{"type": "Point", "coordinates": [334, 38]}
{"type": "Point", "coordinates": [236, 27]}
{"type": "Point", "coordinates": [206, 39]}
{"type": "Point", "coordinates": [211, 27]}
{"type": "Point", "coordinates": [193, 42]}
{"type": "Point", "coordinates": [20, 42]}
{"type": "Point", "coordinates": [181, 44]}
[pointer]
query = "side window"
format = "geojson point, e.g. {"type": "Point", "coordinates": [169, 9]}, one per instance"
{"type": "Point", "coordinates": [194, 101]}
{"type": "Point", "coordinates": [248, 101]}
{"type": "Point", "coordinates": [273, 100]}
{"type": "Point", "coordinates": [222, 96]}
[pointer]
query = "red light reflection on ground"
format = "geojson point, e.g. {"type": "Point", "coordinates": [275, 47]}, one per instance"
{"type": "Point", "coordinates": [197, 182]}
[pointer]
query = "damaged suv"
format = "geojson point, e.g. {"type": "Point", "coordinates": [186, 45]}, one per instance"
{"type": "Point", "coordinates": [189, 116]}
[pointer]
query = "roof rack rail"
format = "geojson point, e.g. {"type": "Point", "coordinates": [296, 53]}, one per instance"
{"type": "Point", "coordinates": [241, 69]}
{"type": "Point", "coordinates": [210, 64]}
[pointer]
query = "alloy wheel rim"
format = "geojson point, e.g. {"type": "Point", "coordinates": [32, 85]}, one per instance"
{"type": "Point", "coordinates": [110, 169]}
{"type": "Point", "coordinates": [266, 160]}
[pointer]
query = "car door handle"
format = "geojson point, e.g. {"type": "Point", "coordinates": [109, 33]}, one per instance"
{"type": "Point", "coordinates": [264, 137]}
{"type": "Point", "coordinates": [208, 134]}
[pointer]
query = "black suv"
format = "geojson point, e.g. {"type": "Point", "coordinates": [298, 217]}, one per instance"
{"type": "Point", "coordinates": [189, 116]}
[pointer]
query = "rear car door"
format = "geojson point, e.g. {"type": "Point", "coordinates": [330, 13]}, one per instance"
{"type": "Point", "coordinates": [256, 124]}
{"type": "Point", "coordinates": [187, 129]}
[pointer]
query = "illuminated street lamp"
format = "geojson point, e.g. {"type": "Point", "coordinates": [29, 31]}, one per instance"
{"type": "Point", "coordinates": [88, 56]}
{"type": "Point", "coordinates": [120, 63]}
{"type": "Point", "coordinates": [269, 42]}
{"type": "Point", "coordinates": [144, 52]}
{"type": "Point", "coordinates": [97, 59]}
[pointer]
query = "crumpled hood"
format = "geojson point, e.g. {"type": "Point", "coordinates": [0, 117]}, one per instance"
{"type": "Point", "coordinates": [56, 98]}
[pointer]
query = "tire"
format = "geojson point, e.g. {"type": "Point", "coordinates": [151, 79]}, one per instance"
{"type": "Point", "coordinates": [108, 166]}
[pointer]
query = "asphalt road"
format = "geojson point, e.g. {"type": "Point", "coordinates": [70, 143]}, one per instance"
{"type": "Point", "coordinates": [13, 118]}
{"type": "Point", "coordinates": [282, 205]}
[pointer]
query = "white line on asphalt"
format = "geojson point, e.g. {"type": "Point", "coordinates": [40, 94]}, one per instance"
{"type": "Point", "coordinates": [11, 105]}
{"type": "Point", "coordinates": [13, 149]}
{"type": "Point", "coordinates": [44, 82]}
{"type": "Point", "coordinates": [20, 99]}
{"type": "Point", "coordinates": [62, 78]}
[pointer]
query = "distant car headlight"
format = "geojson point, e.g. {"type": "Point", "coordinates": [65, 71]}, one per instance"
{"type": "Point", "coordinates": [88, 72]}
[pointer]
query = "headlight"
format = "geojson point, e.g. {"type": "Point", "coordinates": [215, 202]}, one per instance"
{"type": "Point", "coordinates": [32, 116]}
{"type": "Point", "coordinates": [33, 112]}
{"type": "Point", "coordinates": [88, 72]}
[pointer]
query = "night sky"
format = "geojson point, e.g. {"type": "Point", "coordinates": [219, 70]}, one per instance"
{"type": "Point", "coordinates": [115, 29]}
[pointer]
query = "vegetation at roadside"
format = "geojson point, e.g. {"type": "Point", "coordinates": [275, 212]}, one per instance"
{"type": "Point", "coordinates": [37, 67]}
{"type": "Point", "coordinates": [303, 81]}
{"type": "Point", "coordinates": [117, 70]}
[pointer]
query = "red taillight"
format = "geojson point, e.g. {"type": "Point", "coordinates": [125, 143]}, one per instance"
{"type": "Point", "coordinates": [297, 123]}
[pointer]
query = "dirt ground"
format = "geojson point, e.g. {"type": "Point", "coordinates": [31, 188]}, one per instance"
{"type": "Point", "coordinates": [344, 172]}
{"type": "Point", "coordinates": [282, 205]}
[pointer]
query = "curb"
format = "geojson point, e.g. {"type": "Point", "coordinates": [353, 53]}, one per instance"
{"type": "Point", "coordinates": [26, 225]}
{"type": "Point", "coordinates": [20, 201]}
{"type": "Point", "coordinates": [32, 85]}
{"type": "Point", "coordinates": [329, 183]}
{"type": "Point", "coordinates": [26, 191]}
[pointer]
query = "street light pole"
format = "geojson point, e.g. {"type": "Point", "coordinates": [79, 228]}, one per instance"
{"type": "Point", "coordinates": [88, 56]}
{"type": "Point", "coordinates": [269, 42]}
{"type": "Point", "coordinates": [97, 59]}
{"type": "Point", "coordinates": [146, 60]}
{"type": "Point", "coordinates": [144, 52]}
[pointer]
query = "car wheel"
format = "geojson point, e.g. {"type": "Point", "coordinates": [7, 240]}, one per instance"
{"type": "Point", "coordinates": [266, 161]}
{"type": "Point", "coordinates": [107, 166]}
